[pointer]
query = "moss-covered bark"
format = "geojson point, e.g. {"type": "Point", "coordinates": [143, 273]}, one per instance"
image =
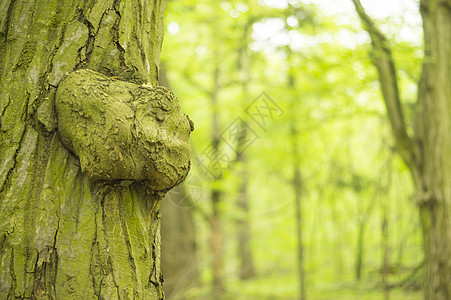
{"type": "Point", "coordinates": [62, 234]}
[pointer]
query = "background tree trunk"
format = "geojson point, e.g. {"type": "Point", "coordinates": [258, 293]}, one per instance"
{"type": "Point", "coordinates": [297, 183]}
{"type": "Point", "coordinates": [433, 127]}
{"type": "Point", "coordinates": [63, 236]}
{"type": "Point", "coordinates": [178, 244]}
{"type": "Point", "coordinates": [217, 241]}
{"type": "Point", "coordinates": [246, 259]}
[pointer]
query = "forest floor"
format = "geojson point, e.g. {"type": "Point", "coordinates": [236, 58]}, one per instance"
{"type": "Point", "coordinates": [286, 288]}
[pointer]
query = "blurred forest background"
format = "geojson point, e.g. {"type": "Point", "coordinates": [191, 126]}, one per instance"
{"type": "Point", "coordinates": [296, 189]}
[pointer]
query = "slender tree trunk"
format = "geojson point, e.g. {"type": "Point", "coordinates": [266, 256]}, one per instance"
{"type": "Point", "coordinates": [385, 269]}
{"type": "Point", "coordinates": [213, 168]}
{"type": "Point", "coordinates": [338, 228]}
{"type": "Point", "coordinates": [297, 183]}
{"type": "Point", "coordinates": [216, 243]}
{"type": "Point", "coordinates": [247, 269]}
{"type": "Point", "coordinates": [385, 257]}
{"type": "Point", "coordinates": [385, 225]}
{"type": "Point", "coordinates": [178, 246]}
{"type": "Point", "coordinates": [360, 249]}
{"type": "Point", "coordinates": [297, 186]}
{"type": "Point", "coordinates": [427, 152]}
{"type": "Point", "coordinates": [380, 189]}
{"type": "Point", "coordinates": [216, 195]}
{"type": "Point", "coordinates": [64, 235]}
{"type": "Point", "coordinates": [363, 222]}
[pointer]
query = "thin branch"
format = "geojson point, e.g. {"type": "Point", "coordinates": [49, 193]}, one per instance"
{"type": "Point", "coordinates": [383, 60]}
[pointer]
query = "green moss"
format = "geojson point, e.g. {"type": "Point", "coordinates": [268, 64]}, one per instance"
{"type": "Point", "coordinates": [27, 54]}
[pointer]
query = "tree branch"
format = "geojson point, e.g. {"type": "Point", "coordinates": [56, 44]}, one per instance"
{"type": "Point", "coordinates": [383, 60]}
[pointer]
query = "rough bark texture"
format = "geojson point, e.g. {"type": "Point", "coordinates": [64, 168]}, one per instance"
{"type": "Point", "coordinates": [63, 235]}
{"type": "Point", "coordinates": [427, 152]}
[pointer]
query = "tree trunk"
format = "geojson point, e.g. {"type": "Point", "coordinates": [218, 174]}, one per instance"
{"type": "Point", "coordinates": [360, 250]}
{"type": "Point", "coordinates": [297, 180]}
{"type": "Point", "coordinates": [297, 185]}
{"type": "Point", "coordinates": [247, 269]}
{"type": "Point", "coordinates": [363, 223]}
{"type": "Point", "coordinates": [217, 243]}
{"type": "Point", "coordinates": [178, 246]}
{"type": "Point", "coordinates": [427, 153]}
{"type": "Point", "coordinates": [246, 259]}
{"type": "Point", "coordinates": [385, 266]}
{"type": "Point", "coordinates": [433, 129]}
{"type": "Point", "coordinates": [70, 226]}
{"type": "Point", "coordinates": [385, 226]}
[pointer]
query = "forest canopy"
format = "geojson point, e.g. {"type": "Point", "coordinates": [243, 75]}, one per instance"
{"type": "Point", "coordinates": [295, 170]}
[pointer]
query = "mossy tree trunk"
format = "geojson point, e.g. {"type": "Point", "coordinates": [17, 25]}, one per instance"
{"type": "Point", "coordinates": [427, 152]}
{"type": "Point", "coordinates": [62, 234]}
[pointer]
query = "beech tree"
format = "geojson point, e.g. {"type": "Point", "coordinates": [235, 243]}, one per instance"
{"type": "Point", "coordinates": [88, 146]}
{"type": "Point", "coordinates": [426, 151]}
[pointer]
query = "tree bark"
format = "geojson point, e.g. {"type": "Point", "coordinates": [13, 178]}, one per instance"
{"type": "Point", "coordinates": [64, 234]}
{"type": "Point", "coordinates": [427, 153]}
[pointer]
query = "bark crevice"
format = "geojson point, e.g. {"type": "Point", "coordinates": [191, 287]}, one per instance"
{"type": "Point", "coordinates": [83, 59]}
{"type": "Point", "coordinates": [8, 20]}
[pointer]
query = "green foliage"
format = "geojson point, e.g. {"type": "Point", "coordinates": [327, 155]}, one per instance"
{"type": "Point", "coordinates": [352, 177]}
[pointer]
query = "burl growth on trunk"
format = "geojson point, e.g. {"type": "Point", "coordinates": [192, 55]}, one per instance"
{"type": "Point", "coordinates": [123, 131]}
